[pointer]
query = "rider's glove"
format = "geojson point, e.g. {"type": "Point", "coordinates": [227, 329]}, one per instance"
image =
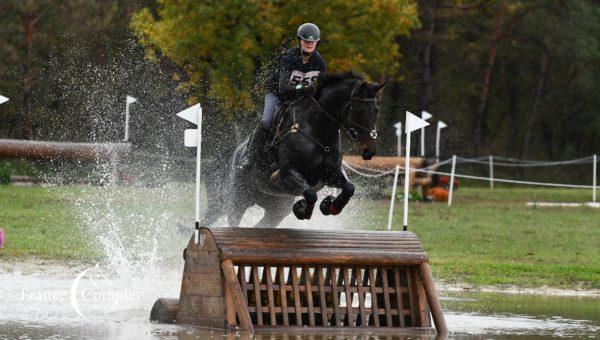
{"type": "Point", "coordinates": [307, 89]}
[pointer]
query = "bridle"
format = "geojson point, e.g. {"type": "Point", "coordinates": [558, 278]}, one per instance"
{"type": "Point", "coordinates": [350, 125]}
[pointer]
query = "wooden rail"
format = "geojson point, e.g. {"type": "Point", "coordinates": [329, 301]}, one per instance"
{"type": "Point", "coordinates": [291, 278]}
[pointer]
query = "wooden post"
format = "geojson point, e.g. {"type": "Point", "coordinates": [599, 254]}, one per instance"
{"type": "Point", "coordinates": [239, 301]}
{"type": "Point", "coordinates": [432, 298]}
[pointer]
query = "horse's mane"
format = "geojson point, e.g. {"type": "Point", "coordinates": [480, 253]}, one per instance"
{"type": "Point", "coordinates": [329, 79]}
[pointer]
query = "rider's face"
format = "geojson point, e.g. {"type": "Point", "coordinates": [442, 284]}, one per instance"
{"type": "Point", "coordinates": [308, 46]}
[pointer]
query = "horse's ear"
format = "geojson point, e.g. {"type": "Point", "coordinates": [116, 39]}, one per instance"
{"type": "Point", "coordinates": [375, 89]}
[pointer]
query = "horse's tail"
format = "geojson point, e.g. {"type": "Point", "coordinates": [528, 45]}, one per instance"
{"type": "Point", "coordinates": [217, 181]}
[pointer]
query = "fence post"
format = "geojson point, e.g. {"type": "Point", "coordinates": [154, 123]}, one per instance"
{"type": "Point", "coordinates": [452, 180]}
{"type": "Point", "coordinates": [393, 198]}
{"type": "Point", "coordinates": [594, 180]}
{"type": "Point", "coordinates": [491, 172]}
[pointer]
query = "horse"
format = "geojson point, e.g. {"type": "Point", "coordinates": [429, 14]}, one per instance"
{"type": "Point", "coordinates": [308, 150]}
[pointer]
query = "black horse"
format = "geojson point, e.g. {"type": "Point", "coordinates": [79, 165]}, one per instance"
{"type": "Point", "coordinates": [307, 146]}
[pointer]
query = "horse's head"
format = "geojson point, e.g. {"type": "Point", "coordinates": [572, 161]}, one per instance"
{"type": "Point", "coordinates": [359, 116]}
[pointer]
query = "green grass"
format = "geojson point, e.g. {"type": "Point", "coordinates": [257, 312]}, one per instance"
{"type": "Point", "coordinates": [488, 237]}
{"type": "Point", "coordinates": [40, 222]}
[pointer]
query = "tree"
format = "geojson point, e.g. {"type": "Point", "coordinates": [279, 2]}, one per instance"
{"type": "Point", "coordinates": [226, 47]}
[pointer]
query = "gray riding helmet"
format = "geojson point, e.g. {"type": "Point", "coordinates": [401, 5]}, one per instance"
{"type": "Point", "coordinates": [309, 32]}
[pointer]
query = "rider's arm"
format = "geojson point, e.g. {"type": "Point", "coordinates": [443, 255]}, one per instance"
{"type": "Point", "coordinates": [285, 72]}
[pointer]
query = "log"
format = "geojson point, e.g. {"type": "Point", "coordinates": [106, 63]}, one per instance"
{"type": "Point", "coordinates": [37, 149]}
{"type": "Point", "coordinates": [164, 311]}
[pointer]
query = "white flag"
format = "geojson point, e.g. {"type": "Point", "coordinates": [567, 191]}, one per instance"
{"type": "Point", "coordinates": [398, 127]}
{"type": "Point", "coordinates": [191, 113]}
{"type": "Point", "coordinates": [425, 115]}
{"type": "Point", "coordinates": [131, 99]}
{"type": "Point", "coordinates": [441, 124]}
{"type": "Point", "coordinates": [414, 123]}
{"type": "Point", "coordinates": [3, 99]}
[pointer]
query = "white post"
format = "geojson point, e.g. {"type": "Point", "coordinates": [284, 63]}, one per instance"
{"type": "Point", "coordinates": [198, 164]}
{"type": "Point", "coordinates": [398, 127]}
{"type": "Point", "coordinates": [491, 172]}
{"type": "Point", "coordinates": [126, 139]}
{"type": "Point", "coordinates": [452, 180]}
{"type": "Point", "coordinates": [406, 180]}
{"type": "Point", "coordinates": [393, 198]}
{"type": "Point", "coordinates": [425, 116]}
{"type": "Point", "coordinates": [440, 126]}
{"type": "Point", "coordinates": [128, 101]}
{"type": "Point", "coordinates": [594, 180]}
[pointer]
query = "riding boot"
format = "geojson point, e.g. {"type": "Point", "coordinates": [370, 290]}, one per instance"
{"type": "Point", "coordinates": [255, 144]}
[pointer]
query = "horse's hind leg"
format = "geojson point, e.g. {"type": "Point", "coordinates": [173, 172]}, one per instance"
{"type": "Point", "coordinates": [274, 214]}
{"type": "Point", "coordinates": [331, 205]}
{"type": "Point", "coordinates": [294, 181]}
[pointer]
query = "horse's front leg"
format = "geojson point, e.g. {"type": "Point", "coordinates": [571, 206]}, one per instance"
{"type": "Point", "coordinates": [331, 205]}
{"type": "Point", "coordinates": [296, 183]}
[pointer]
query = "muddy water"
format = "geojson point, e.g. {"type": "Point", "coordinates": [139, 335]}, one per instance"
{"type": "Point", "coordinates": [55, 304]}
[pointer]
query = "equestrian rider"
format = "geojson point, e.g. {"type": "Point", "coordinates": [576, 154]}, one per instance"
{"type": "Point", "coordinates": [298, 68]}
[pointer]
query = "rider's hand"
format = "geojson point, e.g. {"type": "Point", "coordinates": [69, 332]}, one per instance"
{"type": "Point", "coordinates": [307, 89]}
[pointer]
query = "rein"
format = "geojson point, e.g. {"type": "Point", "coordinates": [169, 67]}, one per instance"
{"type": "Point", "coordinates": [295, 128]}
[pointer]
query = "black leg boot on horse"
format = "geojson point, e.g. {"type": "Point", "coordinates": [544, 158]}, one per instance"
{"type": "Point", "coordinates": [257, 140]}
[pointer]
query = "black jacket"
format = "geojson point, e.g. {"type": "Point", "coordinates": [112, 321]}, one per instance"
{"type": "Point", "coordinates": [292, 71]}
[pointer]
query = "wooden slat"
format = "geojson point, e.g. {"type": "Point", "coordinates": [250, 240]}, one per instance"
{"type": "Point", "coordinates": [361, 297]}
{"type": "Point", "coordinates": [338, 257]}
{"type": "Point", "coordinates": [399, 296]}
{"type": "Point", "coordinates": [257, 297]}
{"type": "Point", "coordinates": [297, 304]}
{"type": "Point", "coordinates": [411, 297]}
{"type": "Point", "coordinates": [309, 296]}
{"type": "Point", "coordinates": [334, 292]}
{"type": "Point", "coordinates": [282, 293]}
{"type": "Point", "coordinates": [271, 294]}
{"type": "Point", "coordinates": [242, 278]}
{"type": "Point", "coordinates": [348, 293]}
{"type": "Point", "coordinates": [374, 307]}
{"type": "Point", "coordinates": [324, 315]}
{"type": "Point", "coordinates": [386, 298]}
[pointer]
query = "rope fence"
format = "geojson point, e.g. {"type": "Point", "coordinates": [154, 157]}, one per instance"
{"type": "Point", "coordinates": [373, 173]}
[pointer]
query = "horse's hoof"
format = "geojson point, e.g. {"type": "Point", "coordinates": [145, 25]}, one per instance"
{"type": "Point", "coordinates": [326, 204]}
{"type": "Point", "coordinates": [302, 210]}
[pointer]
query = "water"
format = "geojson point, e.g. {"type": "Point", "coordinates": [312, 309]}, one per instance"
{"type": "Point", "coordinates": [142, 232]}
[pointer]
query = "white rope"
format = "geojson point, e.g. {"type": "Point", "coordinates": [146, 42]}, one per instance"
{"type": "Point", "coordinates": [380, 173]}
{"type": "Point", "coordinates": [584, 160]}
{"type": "Point", "coordinates": [508, 180]}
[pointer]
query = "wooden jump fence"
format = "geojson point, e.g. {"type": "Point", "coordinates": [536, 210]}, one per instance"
{"type": "Point", "coordinates": [247, 279]}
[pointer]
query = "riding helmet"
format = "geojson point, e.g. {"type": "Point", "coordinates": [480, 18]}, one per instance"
{"type": "Point", "coordinates": [309, 32]}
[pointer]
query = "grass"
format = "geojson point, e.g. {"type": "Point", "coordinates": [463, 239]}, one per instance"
{"type": "Point", "coordinates": [40, 222]}
{"type": "Point", "coordinates": [488, 237]}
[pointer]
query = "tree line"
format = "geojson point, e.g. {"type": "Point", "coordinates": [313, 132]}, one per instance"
{"type": "Point", "coordinates": [513, 78]}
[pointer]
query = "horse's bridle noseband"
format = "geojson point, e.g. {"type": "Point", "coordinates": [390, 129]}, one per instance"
{"type": "Point", "coordinates": [351, 131]}
{"type": "Point", "coordinates": [351, 125]}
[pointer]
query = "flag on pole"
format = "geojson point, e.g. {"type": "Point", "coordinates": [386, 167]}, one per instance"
{"type": "Point", "coordinates": [131, 100]}
{"type": "Point", "coordinates": [398, 127]}
{"type": "Point", "coordinates": [3, 99]}
{"type": "Point", "coordinates": [191, 113]}
{"type": "Point", "coordinates": [414, 123]}
{"type": "Point", "coordinates": [425, 115]}
{"type": "Point", "coordinates": [441, 124]}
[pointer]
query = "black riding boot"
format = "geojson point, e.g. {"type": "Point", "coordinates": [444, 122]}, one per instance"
{"type": "Point", "coordinates": [256, 142]}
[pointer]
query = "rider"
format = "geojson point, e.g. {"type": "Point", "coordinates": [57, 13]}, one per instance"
{"type": "Point", "coordinates": [299, 67]}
